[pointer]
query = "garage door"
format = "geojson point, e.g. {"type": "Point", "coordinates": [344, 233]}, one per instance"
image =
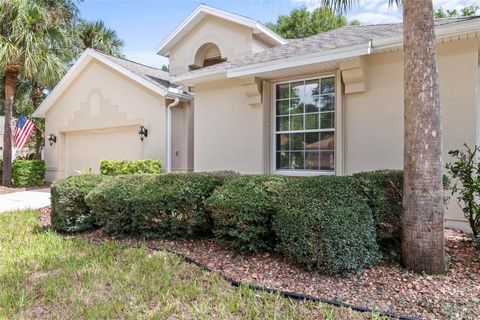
{"type": "Point", "coordinates": [85, 149]}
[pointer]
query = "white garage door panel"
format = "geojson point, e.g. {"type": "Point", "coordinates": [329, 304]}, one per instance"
{"type": "Point", "coordinates": [85, 149]}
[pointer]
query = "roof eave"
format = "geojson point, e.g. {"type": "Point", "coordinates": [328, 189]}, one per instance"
{"type": "Point", "coordinates": [192, 79]}
{"type": "Point", "coordinates": [296, 61]}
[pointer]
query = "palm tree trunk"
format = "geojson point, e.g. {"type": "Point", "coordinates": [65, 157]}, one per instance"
{"type": "Point", "coordinates": [10, 82]}
{"type": "Point", "coordinates": [423, 244]}
{"type": "Point", "coordinates": [36, 101]}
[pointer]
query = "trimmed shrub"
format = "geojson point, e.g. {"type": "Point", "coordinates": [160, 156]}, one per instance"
{"type": "Point", "coordinates": [27, 173]}
{"type": "Point", "coordinates": [70, 213]}
{"type": "Point", "coordinates": [324, 223]}
{"type": "Point", "coordinates": [242, 212]}
{"type": "Point", "coordinates": [167, 205]}
{"type": "Point", "coordinates": [120, 167]}
{"type": "Point", "coordinates": [383, 190]}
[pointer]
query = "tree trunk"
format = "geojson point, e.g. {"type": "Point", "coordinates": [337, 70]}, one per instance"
{"type": "Point", "coordinates": [10, 82]}
{"type": "Point", "coordinates": [36, 101]}
{"type": "Point", "coordinates": [423, 244]}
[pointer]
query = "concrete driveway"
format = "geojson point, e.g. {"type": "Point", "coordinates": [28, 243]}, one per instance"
{"type": "Point", "coordinates": [33, 199]}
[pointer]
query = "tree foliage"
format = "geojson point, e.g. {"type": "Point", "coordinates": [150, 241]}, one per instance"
{"type": "Point", "coordinates": [468, 11]}
{"type": "Point", "coordinates": [96, 35]}
{"type": "Point", "coordinates": [303, 23]}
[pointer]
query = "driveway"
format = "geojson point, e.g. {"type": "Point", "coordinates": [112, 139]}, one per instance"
{"type": "Point", "coordinates": [33, 199]}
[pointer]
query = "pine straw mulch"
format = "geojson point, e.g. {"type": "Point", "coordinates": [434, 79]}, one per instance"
{"type": "Point", "coordinates": [387, 287]}
{"type": "Point", "coordinates": [5, 190]}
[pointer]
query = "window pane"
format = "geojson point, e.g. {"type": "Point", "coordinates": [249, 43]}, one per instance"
{"type": "Point", "coordinates": [282, 107]}
{"type": "Point", "coordinates": [297, 141]}
{"type": "Point", "coordinates": [312, 160]}
{"type": "Point", "coordinates": [311, 88]}
{"type": "Point", "coordinates": [304, 108]}
{"type": "Point", "coordinates": [283, 142]}
{"type": "Point", "coordinates": [312, 104]}
{"type": "Point", "coordinates": [297, 90]}
{"type": "Point", "coordinates": [327, 103]}
{"type": "Point", "coordinates": [296, 122]}
{"type": "Point", "coordinates": [312, 141]}
{"type": "Point", "coordinates": [328, 85]}
{"type": "Point", "coordinates": [311, 121]}
{"type": "Point", "coordinates": [283, 91]}
{"type": "Point", "coordinates": [327, 141]}
{"type": "Point", "coordinates": [297, 160]}
{"type": "Point", "coordinates": [327, 160]}
{"type": "Point", "coordinates": [283, 161]}
{"type": "Point", "coordinates": [282, 123]}
{"type": "Point", "coordinates": [296, 106]}
{"type": "Point", "coordinates": [327, 120]}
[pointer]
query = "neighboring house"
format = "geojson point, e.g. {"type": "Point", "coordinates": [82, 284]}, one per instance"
{"type": "Point", "coordinates": [326, 104]}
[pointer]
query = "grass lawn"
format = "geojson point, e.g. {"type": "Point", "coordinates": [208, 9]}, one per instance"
{"type": "Point", "coordinates": [46, 276]}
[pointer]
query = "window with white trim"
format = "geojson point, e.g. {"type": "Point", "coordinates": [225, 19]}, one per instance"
{"type": "Point", "coordinates": [305, 125]}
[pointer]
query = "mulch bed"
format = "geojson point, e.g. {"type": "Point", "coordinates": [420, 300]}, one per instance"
{"type": "Point", "coordinates": [387, 287]}
{"type": "Point", "coordinates": [5, 190]}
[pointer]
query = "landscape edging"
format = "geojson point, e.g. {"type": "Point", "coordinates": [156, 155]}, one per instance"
{"type": "Point", "coordinates": [286, 294]}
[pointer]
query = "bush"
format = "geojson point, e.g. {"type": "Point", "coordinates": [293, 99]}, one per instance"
{"type": "Point", "coordinates": [28, 173]}
{"type": "Point", "coordinates": [167, 205]}
{"type": "Point", "coordinates": [324, 223]}
{"type": "Point", "coordinates": [70, 213]}
{"type": "Point", "coordinates": [120, 167]}
{"type": "Point", "coordinates": [384, 193]}
{"type": "Point", "coordinates": [242, 212]}
{"type": "Point", "coordinates": [465, 169]}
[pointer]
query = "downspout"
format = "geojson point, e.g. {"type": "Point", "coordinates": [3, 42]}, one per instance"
{"type": "Point", "coordinates": [169, 133]}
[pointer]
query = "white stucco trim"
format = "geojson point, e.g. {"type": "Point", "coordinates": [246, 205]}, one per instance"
{"type": "Point", "coordinates": [82, 62]}
{"type": "Point", "coordinates": [203, 10]}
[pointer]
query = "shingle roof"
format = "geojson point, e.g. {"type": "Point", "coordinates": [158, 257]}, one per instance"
{"type": "Point", "coordinates": [151, 74]}
{"type": "Point", "coordinates": [337, 38]}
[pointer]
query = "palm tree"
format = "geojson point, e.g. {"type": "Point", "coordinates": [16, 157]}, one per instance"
{"type": "Point", "coordinates": [25, 32]}
{"type": "Point", "coordinates": [423, 243]}
{"type": "Point", "coordinates": [96, 35]}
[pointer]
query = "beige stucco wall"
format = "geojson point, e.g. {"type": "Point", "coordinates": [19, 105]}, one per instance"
{"type": "Point", "coordinates": [373, 121]}
{"type": "Point", "coordinates": [228, 131]}
{"type": "Point", "coordinates": [102, 98]}
{"type": "Point", "coordinates": [232, 39]}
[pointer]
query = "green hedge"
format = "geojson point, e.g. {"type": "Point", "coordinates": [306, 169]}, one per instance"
{"type": "Point", "coordinates": [28, 173]}
{"type": "Point", "coordinates": [120, 167]}
{"type": "Point", "coordinates": [384, 192]}
{"type": "Point", "coordinates": [167, 205]}
{"type": "Point", "coordinates": [242, 212]}
{"type": "Point", "coordinates": [70, 213]}
{"type": "Point", "coordinates": [324, 223]}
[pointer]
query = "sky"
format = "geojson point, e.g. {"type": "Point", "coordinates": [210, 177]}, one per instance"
{"type": "Point", "coordinates": [142, 24]}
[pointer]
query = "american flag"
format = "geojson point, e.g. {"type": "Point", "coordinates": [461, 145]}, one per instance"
{"type": "Point", "coordinates": [23, 131]}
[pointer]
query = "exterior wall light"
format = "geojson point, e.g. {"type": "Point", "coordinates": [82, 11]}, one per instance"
{"type": "Point", "coordinates": [52, 139]}
{"type": "Point", "coordinates": [143, 133]}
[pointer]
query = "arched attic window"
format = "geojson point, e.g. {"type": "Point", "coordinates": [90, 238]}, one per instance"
{"type": "Point", "coordinates": [207, 55]}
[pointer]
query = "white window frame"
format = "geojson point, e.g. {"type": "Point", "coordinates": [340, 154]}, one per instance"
{"type": "Point", "coordinates": [273, 133]}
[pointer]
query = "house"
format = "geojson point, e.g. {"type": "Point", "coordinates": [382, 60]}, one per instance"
{"type": "Point", "coordinates": [239, 97]}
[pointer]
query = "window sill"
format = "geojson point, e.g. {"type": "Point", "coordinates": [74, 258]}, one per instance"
{"type": "Point", "coordinates": [303, 173]}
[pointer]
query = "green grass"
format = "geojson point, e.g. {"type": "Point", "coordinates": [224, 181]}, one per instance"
{"type": "Point", "coordinates": [46, 276]}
